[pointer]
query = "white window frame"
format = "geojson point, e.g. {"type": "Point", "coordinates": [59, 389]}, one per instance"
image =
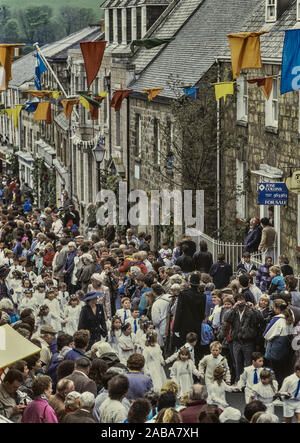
{"type": "Point", "coordinates": [241, 200]}
{"type": "Point", "coordinates": [124, 26]}
{"type": "Point", "coordinates": [271, 5]}
{"type": "Point", "coordinates": [272, 106]}
{"type": "Point", "coordinates": [133, 24]}
{"type": "Point", "coordinates": [144, 20]}
{"type": "Point", "coordinates": [242, 99]}
{"type": "Point", "coordinates": [115, 25]}
{"type": "Point", "coordinates": [298, 10]}
{"type": "Point", "coordinates": [106, 24]}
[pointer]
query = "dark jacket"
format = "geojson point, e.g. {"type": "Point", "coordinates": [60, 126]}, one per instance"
{"type": "Point", "coordinates": [241, 268]}
{"type": "Point", "coordinates": [94, 323]}
{"type": "Point", "coordinates": [186, 263]}
{"type": "Point", "coordinates": [191, 413]}
{"type": "Point", "coordinates": [203, 261]}
{"type": "Point", "coordinates": [253, 240]}
{"type": "Point", "coordinates": [69, 262]}
{"type": "Point", "coordinates": [84, 275]}
{"type": "Point", "coordinates": [82, 382]}
{"type": "Point", "coordinates": [190, 312]}
{"type": "Point", "coordinates": [191, 245]}
{"type": "Point", "coordinates": [221, 273]}
{"type": "Point", "coordinates": [249, 297]}
{"type": "Point", "coordinates": [286, 270]}
{"type": "Point", "coordinates": [249, 329]}
{"type": "Point", "coordinates": [79, 416]}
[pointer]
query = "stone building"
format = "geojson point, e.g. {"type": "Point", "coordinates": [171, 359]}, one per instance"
{"type": "Point", "coordinates": [265, 134]}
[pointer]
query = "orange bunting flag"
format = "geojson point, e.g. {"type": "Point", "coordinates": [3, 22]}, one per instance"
{"type": "Point", "coordinates": [6, 56]}
{"type": "Point", "coordinates": [43, 112]}
{"type": "Point", "coordinates": [118, 98]}
{"type": "Point", "coordinates": [92, 54]}
{"type": "Point", "coordinates": [152, 92]}
{"type": "Point", "coordinates": [39, 94]}
{"type": "Point", "coordinates": [265, 84]}
{"type": "Point", "coordinates": [245, 51]}
{"type": "Point", "coordinates": [68, 106]}
{"type": "Point", "coordinates": [93, 110]}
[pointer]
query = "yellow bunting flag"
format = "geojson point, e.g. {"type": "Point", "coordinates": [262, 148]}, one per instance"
{"type": "Point", "coordinates": [152, 92]}
{"type": "Point", "coordinates": [40, 94]}
{"type": "Point", "coordinates": [15, 115]}
{"type": "Point", "coordinates": [102, 94]}
{"type": "Point", "coordinates": [245, 51]}
{"type": "Point", "coordinates": [43, 112]}
{"type": "Point", "coordinates": [85, 103]}
{"type": "Point", "coordinates": [223, 89]}
{"type": "Point", "coordinates": [56, 94]}
{"type": "Point", "coordinates": [6, 56]}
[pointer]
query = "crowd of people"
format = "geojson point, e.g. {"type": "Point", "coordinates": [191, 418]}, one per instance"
{"type": "Point", "coordinates": [130, 334]}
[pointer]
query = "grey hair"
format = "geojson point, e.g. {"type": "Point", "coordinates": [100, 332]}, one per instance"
{"type": "Point", "coordinates": [135, 270]}
{"type": "Point", "coordinates": [71, 397]}
{"type": "Point", "coordinates": [209, 287]}
{"type": "Point", "coordinates": [198, 392]}
{"type": "Point", "coordinates": [63, 384]}
{"type": "Point", "coordinates": [87, 400]}
{"type": "Point", "coordinates": [266, 417]}
{"type": "Point", "coordinates": [176, 278]}
{"type": "Point", "coordinates": [6, 304]}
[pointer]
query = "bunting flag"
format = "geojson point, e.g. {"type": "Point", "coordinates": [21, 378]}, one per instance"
{"type": "Point", "coordinates": [68, 106]}
{"type": "Point", "coordinates": [245, 51]}
{"type": "Point", "coordinates": [6, 56]}
{"type": "Point", "coordinates": [45, 93]}
{"type": "Point", "coordinates": [290, 62]}
{"type": "Point", "coordinates": [150, 43]}
{"type": "Point", "coordinates": [43, 112]}
{"type": "Point", "coordinates": [223, 89]}
{"type": "Point", "coordinates": [16, 114]}
{"type": "Point", "coordinates": [190, 92]}
{"type": "Point", "coordinates": [102, 94]}
{"type": "Point", "coordinates": [94, 101]}
{"type": "Point", "coordinates": [30, 106]}
{"type": "Point", "coordinates": [95, 109]}
{"type": "Point", "coordinates": [92, 55]}
{"type": "Point", "coordinates": [56, 94]}
{"type": "Point", "coordinates": [85, 103]}
{"type": "Point", "coordinates": [118, 97]}
{"type": "Point", "coordinates": [39, 69]}
{"type": "Point", "coordinates": [152, 92]}
{"type": "Point", "coordinates": [265, 84]}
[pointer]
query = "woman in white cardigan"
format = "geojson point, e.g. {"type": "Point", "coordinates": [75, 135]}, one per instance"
{"type": "Point", "coordinates": [277, 335]}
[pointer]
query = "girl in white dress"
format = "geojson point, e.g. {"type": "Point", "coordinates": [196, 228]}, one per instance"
{"type": "Point", "coordinates": [154, 361]}
{"type": "Point", "coordinates": [114, 333]}
{"type": "Point", "coordinates": [265, 390]}
{"type": "Point", "coordinates": [63, 296]}
{"type": "Point", "coordinates": [52, 303]}
{"type": "Point", "coordinates": [141, 335]}
{"type": "Point", "coordinates": [126, 343]}
{"type": "Point", "coordinates": [40, 294]}
{"type": "Point", "coordinates": [43, 318]}
{"type": "Point", "coordinates": [71, 316]}
{"type": "Point", "coordinates": [15, 283]}
{"type": "Point", "coordinates": [28, 301]}
{"type": "Point", "coordinates": [217, 389]}
{"type": "Point", "coordinates": [183, 370]}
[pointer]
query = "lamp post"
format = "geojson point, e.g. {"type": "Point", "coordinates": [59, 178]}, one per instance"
{"type": "Point", "coordinates": [98, 153]}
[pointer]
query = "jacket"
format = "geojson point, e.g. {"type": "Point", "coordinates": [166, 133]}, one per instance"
{"type": "Point", "coordinates": [202, 261]}
{"type": "Point", "coordinates": [249, 329]}
{"type": "Point", "coordinates": [79, 416]}
{"type": "Point", "coordinates": [267, 239]}
{"type": "Point", "coordinates": [190, 312]}
{"type": "Point", "coordinates": [191, 413]}
{"type": "Point", "coordinates": [82, 382]}
{"type": "Point", "coordinates": [263, 278]}
{"type": "Point", "coordinates": [69, 262]}
{"type": "Point", "coordinates": [252, 240]}
{"type": "Point", "coordinates": [241, 268]}
{"type": "Point", "coordinates": [221, 273]}
{"type": "Point", "coordinates": [186, 263]}
{"type": "Point", "coordinates": [39, 411]}
{"type": "Point", "coordinates": [96, 324]}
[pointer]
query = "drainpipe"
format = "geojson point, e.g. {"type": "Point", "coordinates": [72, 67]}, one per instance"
{"type": "Point", "coordinates": [128, 151]}
{"type": "Point", "coordinates": [218, 155]}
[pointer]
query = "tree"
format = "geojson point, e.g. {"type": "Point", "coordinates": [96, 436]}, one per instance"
{"type": "Point", "coordinates": [75, 18]}
{"type": "Point", "coordinates": [33, 19]}
{"type": "Point", "coordinates": [11, 31]}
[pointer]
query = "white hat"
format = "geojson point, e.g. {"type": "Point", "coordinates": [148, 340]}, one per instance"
{"type": "Point", "coordinates": [230, 414]}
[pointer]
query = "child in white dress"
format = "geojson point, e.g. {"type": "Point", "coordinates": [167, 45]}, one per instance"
{"type": "Point", "coordinates": [140, 337]}
{"type": "Point", "coordinates": [52, 303]}
{"type": "Point", "coordinates": [15, 283]}
{"type": "Point", "coordinates": [210, 362]}
{"type": "Point", "coordinates": [40, 294]}
{"type": "Point", "coordinates": [183, 370]}
{"type": "Point", "coordinates": [265, 390]}
{"type": "Point", "coordinates": [43, 318]}
{"type": "Point", "coordinates": [63, 296]}
{"type": "Point", "coordinates": [126, 343]}
{"type": "Point", "coordinates": [71, 316]}
{"type": "Point", "coordinates": [154, 361]}
{"type": "Point", "coordinates": [217, 389]}
{"type": "Point", "coordinates": [114, 333]}
{"type": "Point", "coordinates": [28, 301]}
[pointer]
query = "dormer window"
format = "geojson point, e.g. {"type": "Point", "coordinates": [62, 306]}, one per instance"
{"type": "Point", "coordinates": [271, 10]}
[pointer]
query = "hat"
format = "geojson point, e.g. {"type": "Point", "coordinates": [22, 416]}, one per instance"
{"type": "Point", "coordinates": [231, 414]}
{"type": "Point", "coordinates": [47, 329]}
{"type": "Point", "coordinates": [43, 216]}
{"type": "Point", "coordinates": [102, 348]}
{"type": "Point", "coordinates": [72, 243]}
{"type": "Point", "coordinates": [96, 277]}
{"type": "Point", "coordinates": [195, 280]}
{"type": "Point", "coordinates": [79, 236]}
{"type": "Point", "coordinates": [3, 271]}
{"type": "Point", "coordinates": [91, 295]}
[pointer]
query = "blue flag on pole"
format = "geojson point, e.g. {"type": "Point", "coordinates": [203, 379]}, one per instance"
{"type": "Point", "coordinates": [39, 69]}
{"type": "Point", "coordinates": [290, 73]}
{"type": "Point", "coordinates": [30, 106]}
{"type": "Point", "coordinates": [191, 93]}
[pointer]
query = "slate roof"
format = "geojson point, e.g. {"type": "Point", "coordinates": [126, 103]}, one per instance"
{"type": "Point", "coordinates": [271, 43]}
{"type": "Point", "coordinates": [131, 3]}
{"type": "Point", "coordinates": [23, 68]}
{"type": "Point", "coordinates": [189, 56]}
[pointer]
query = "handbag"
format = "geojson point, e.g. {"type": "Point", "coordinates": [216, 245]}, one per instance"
{"type": "Point", "coordinates": [277, 348]}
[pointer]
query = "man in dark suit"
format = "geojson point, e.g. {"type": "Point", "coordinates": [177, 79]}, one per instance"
{"type": "Point", "coordinates": [84, 413]}
{"type": "Point", "coordinates": [80, 377]}
{"type": "Point", "coordinates": [203, 259]}
{"type": "Point", "coordinates": [253, 238]}
{"type": "Point", "coordinates": [221, 272]}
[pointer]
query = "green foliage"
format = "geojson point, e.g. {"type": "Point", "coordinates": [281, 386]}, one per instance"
{"type": "Point", "coordinates": [13, 160]}
{"type": "Point", "coordinates": [74, 18]}
{"type": "Point", "coordinates": [33, 19]}
{"type": "Point", "coordinates": [44, 183]}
